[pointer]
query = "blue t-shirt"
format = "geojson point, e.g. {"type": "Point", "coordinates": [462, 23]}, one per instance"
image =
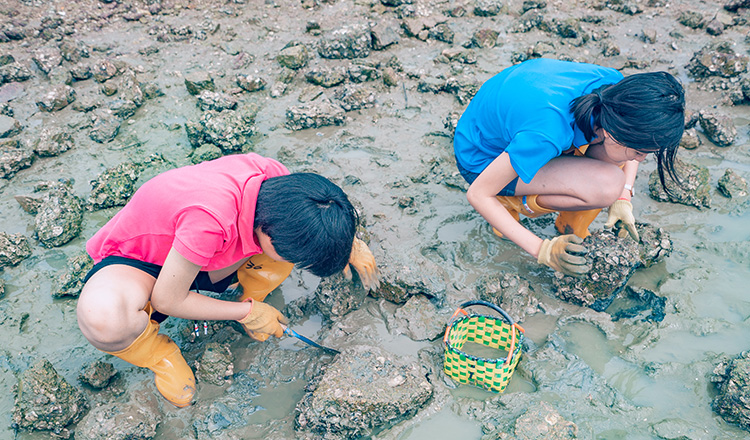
{"type": "Point", "coordinates": [525, 111]}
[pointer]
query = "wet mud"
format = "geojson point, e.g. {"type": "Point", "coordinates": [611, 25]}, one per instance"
{"type": "Point", "coordinates": [98, 96]}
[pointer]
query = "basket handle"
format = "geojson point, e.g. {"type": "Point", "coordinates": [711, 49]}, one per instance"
{"type": "Point", "coordinates": [502, 313]}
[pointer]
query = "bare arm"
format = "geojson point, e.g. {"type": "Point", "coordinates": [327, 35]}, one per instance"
{"type": "Point", "coordinates": [172, 295]}
{"type": "Point", "coordinates": [481, 196]}
{"type": "Point", "coordinates": [630, 169]}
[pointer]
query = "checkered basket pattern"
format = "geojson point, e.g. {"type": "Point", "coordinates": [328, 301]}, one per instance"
{"type": "Point", "coordinates": [496, 332]}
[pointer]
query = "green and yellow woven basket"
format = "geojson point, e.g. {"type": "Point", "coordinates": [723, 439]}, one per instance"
{"type": "Point", "coordinates": [495, 332]}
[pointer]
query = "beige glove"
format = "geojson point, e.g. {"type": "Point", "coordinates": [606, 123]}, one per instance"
{"type": "Point", "coordinates": [263, 321]}
{"type": "Point", "coordinates": [622, 212]}
{"type": "Point", "coordinates": [558, 254]}
{"type": "Point", "coordinates": [364, 263]}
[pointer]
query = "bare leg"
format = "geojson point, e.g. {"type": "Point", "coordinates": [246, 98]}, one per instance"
{"type": "Point", "coordinates": [570, 183]}
{"type": "Point", "coordinates": [110, 308]}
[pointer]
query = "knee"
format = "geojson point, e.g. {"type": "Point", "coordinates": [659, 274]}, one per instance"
{"type": "Point", "coordinates": [607, 187]}
{"type": "Point", "coordinates": [100, 323]}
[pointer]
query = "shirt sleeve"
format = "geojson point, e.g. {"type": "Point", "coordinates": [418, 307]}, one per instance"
{"type": "Point", "coordinates": [198, 236]}
{"type": "Point", "coordinates": [538, 141]}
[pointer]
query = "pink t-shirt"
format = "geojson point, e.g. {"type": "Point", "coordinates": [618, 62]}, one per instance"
{"type": "Point", "coordinates": [205, 211]}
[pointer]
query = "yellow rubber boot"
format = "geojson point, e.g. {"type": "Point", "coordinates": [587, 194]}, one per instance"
{"type": "Point", "coordinates": [173, 377]}
{"type": "Point", "coordinates": [576, 222]}
{"type": "Point", "coordinates": [261, 275]}
{"type": "Point", "coordinates": [525, 205]}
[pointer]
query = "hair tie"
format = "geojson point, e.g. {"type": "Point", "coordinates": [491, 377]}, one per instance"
{"type": "Point", "coordinates": [599, 95]}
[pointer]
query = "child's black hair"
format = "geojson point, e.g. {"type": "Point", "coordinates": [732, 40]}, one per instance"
{"type": "Point", "coordinates": [309, 220]}
{"type": "Point", "coordinates": [645, 111]}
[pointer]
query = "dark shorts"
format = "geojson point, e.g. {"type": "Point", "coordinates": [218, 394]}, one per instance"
{"type": "Point", "coordinates": [201, 282]}
{"type": "Point", "coordinates": [470, 177]}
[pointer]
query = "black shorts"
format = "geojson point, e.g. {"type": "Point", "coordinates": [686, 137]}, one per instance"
{"type": "Point", "coordinates": [201, 282]}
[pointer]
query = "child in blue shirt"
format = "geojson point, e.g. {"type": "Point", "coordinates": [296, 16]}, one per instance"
{"type": "Point", "coordinates": [548, 135]}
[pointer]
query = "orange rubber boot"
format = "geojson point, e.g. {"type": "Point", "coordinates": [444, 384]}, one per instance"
{"type": "Point", "coordinates": [576, 222]}
{"type": "Point", "coordinates": [173, 377]}
{"type": "Point", "coordinates": [525, 205]}
{"type": "Point", "coordinates": [261, 275]}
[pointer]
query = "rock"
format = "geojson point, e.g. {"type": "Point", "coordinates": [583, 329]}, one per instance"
{"type": "Point", "coordinates": [53, 143]}
{"type": "Point", "coordinates": [655, 244]}
{"type": "Point", "coordinates": [250, 83]}
{"type": "Point", "coordinates": [384, 34]}
{"type": "Point", "coordinates": [463, 88]}
{"type": "Point", "coordinates": [419, 319]}
{"type": "Point", "coordinates": [352, 41]}
{"type": "Point", "coordinates": [510, 292]}
{"type": "Point", "coordinates": [57, 98]}
{"type": "Point", "coordinates": [360, 72]}
{"type": "Point", "coordinates": [13, 158]}
{"type": "Point", "coordinates": [98, 374]}
{"type": "Point", "coordinates": [205, 152]}
{"type": "Point", "coordinates": [527, 21]}
{"type": "Point", "coordinates": [734, 5]}
{"type": "Point", "coordinates": [14, 72]}
{"type": "Point", "coordinates": [732, 381]}
{"type": "Point", "coordinates": [691, 19]}
{"type": "Point", "coordinates": [690, 139]}
{"type": "Point", "coordinates": [613, 260]}
{"type": "Point", "coordinates": [294, 55]}
{"type": "Point", "coordinates": [104, 70]}
{"type": "Point", "coordinates": [197, 82]}
{"type": "Point", "coordinates": [679, 429]}
{"type": "Point", "coordinates": [326, 76]}
{"type": "Point", "coordinates": [105, 126]}
{"type": "Point", "coordinates": [71, 282]}
{"type": "Point", "coordinates": [484, 38]}
{"type": "Point", "coordinates": [216, 365]}
{"type": "Point", "coordinates": [122, 109]}
{"type": "Point", "coordinates": [9, 127]}
{"type": "Point", "coordinates": [719, 129]}
{"type": "Point", "coordinates": [414, 275]}
{"type": "Point", "coordinates": [318, 114]}
{"type": "Point", "coordinates": [135, 419]}
{"type": "Point", "coordinates": [732, 185]}
{"type": "Point", "coordinates": [81, 72]}
{"type": "Point", "coordinates": [463, 56]}
{"type": "Point", "coordinates": [45, 401]}
{"type": "Point", "coordinates": [47, 58]}
{"type": "Point", "coordinates": [337, 296]}
{"type": "Point", "coordinates": [229, 130]}
{"type": "Point", "coordinates": [29, 204]}
{"type": "Point", "coordinates": [14, 248]}
{"type": "Point", "coordinates": [216, 101]}
{"type": "Point", "coordinates": [74, 51]}
{"type": "Point", "coordinates": [354, 98]}
{"type": "Point", "coordinates": [130, 88]}
{"type": "Point", "coordinates": [114, 186]}
{"type": "Point", "coordinates": [649, 35]}
{"type": "Point", "coordinates": [364, 390]}
{"type": "Point", "coordinates": [487, 8]}
{"type": "Point", "coordinates": [539, 422]}
{"type": "Point", "coordinates": [717, 59]}
{"type": "Point", "coordinates": [695, 189]}
{"type": "Point", "coordinates": [442, 32]}
{"type": "Point", "coordinates": [60, 216]}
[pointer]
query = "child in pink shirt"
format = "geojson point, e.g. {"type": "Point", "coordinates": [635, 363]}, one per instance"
{"type": "Point", "coordinates": [192, 228]}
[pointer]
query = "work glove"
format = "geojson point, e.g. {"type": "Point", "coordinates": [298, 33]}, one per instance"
{"type": "Point", "coordinates": [364, 263]}
{"type": "Point", "coordinates": [621, 214]}
{"type": "Point", "coordinates": [559, 254]}
{"type": "Point", "coordinates": [263, 321]}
